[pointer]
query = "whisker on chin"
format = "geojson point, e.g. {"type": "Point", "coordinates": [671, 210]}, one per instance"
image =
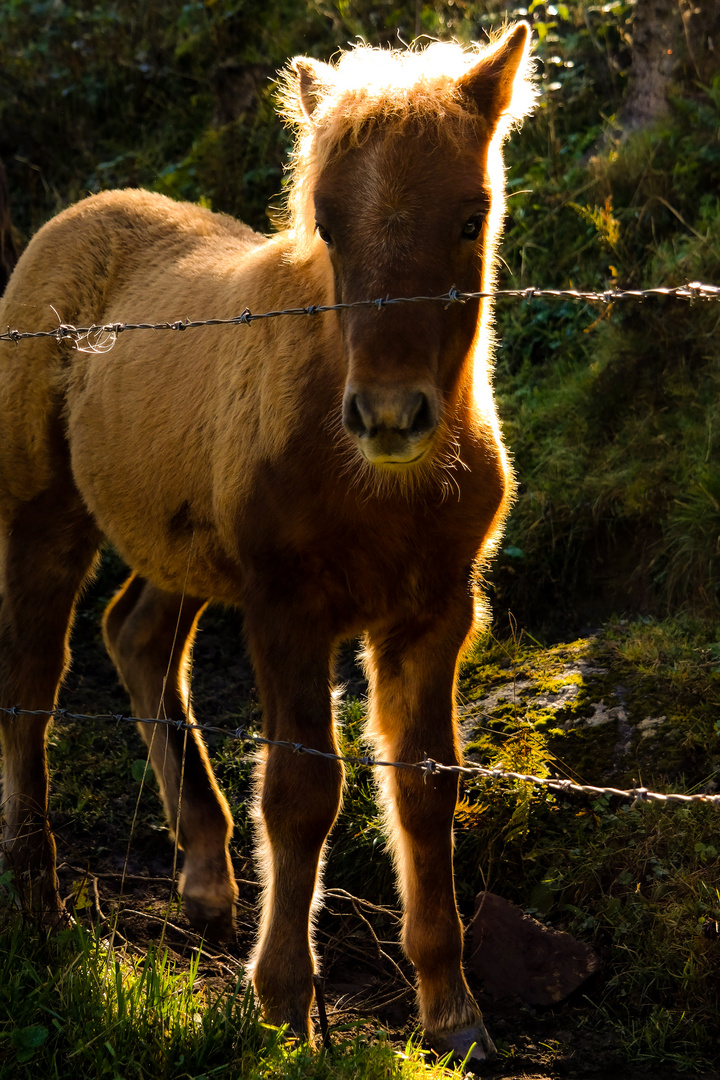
{"type": "Point", "coordinates": [432, 477]}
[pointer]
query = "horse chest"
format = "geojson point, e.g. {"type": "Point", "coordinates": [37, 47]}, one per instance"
{"type": "Point", "coordinates": [350, 575]}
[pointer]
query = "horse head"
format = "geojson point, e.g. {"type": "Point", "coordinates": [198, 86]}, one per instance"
{"type": "Point", "coordinates": [398, 183]}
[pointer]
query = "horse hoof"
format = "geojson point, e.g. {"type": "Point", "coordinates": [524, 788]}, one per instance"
{"type": "Point", "coordinates": [214, 924]}
{"type": "Point", "coordinates": [470, 1046]}
{"type": "Point", "coordinates": [296, 1028]}
{"type": "Point", "coordinates": [47, 911]}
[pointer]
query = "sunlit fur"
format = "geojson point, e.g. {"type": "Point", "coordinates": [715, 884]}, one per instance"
{"type": "Point", "coordinates": [228, 464]}
{"type": "Point", "coordinates": [396, 88]}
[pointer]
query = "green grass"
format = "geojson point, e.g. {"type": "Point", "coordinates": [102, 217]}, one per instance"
{"type": "Point", "coordinates": [74, 1008]}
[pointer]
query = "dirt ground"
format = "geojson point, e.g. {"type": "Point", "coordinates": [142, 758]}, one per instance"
{"type": "Point", "coordinates": [367, 981]}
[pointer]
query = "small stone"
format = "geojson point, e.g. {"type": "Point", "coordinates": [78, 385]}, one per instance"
{"type": "Point", "coordinates": [515, 954]}
{"type": "Point", "coordinates": [650, 725]}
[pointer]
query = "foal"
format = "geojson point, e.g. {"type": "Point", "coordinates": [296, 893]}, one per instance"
{"type": "Point", "coordinates": [332, 476]}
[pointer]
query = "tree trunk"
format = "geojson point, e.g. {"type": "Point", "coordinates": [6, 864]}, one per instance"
{"type": "Point", "coordinates": [673, 40]}
{"type": "Point", "coordinates": [657, 34]}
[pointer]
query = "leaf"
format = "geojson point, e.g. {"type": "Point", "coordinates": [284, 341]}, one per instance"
{"type": "Point", "coordinates": [27, 1040]}
{"type": "Point", "coordinates": [139, 767]}
{"type": "Point", "coordinates": [543, 29]}
{"type": "Point", "coordinates": [82, 898]}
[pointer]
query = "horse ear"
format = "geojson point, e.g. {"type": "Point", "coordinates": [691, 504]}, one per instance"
{"type": "Point", "coordinates": [491, 83]}
{"type": "Point", "coordinates": [312, 82]}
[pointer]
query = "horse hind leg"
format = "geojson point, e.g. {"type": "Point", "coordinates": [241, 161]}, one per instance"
{"type": "Point", "coordinates": [48, 547]}
{"type": "Point", "coordinates": [149, 635]}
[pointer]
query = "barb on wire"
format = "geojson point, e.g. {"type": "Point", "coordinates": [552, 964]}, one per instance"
{"type": "Point", "coordinates": [102, 337]}
{"type": "Point", "coordinates": [426, 768]}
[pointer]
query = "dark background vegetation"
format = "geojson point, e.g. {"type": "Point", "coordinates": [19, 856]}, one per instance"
{"type": "Point", "coordinates": [612, 415]}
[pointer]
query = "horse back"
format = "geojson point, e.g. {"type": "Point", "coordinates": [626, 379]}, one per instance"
{"type": "Point", "coordinates": [74, 271]}
{"type": "Point", "coordinates": [81, 260]}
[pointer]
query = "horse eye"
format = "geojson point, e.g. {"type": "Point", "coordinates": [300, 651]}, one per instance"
{"type": "Point", "coordinates": [323, 234]}
{"type": "Point", "coordinates": [472, 228]}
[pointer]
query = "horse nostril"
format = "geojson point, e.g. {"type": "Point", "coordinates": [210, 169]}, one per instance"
{"type": "Point", "coordinates": [355, 417]}
{"type": "Point", "coordinates": [421, 418]}
{"type": "Point", "coordinates": [403, 414]}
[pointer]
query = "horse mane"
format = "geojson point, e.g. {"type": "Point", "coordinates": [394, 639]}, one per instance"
{"type": "Point", "coordinates": [397, 88]}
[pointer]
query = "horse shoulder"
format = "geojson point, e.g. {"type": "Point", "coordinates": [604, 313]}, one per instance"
{"type": "Point", "coordinates": [279, 381]}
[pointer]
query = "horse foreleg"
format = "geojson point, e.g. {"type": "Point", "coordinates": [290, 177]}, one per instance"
{"type": "Point", "coordinates": [412, 688]}
{"type": "Point", "coordinates": [299, 798]}
{"type": "Point", "coordinates": [48, 548]}
{"type": "Point", "coordinates": [149, 635]}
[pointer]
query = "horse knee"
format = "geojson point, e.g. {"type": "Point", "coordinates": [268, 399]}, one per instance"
{"type": "Point", "coordinates": [300, 798]}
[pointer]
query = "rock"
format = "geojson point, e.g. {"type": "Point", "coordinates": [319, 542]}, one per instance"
{"type": "Point", "coordinates": [515, 954]}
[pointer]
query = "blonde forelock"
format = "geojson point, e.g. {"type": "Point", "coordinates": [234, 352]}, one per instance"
{"type": "Point", "coordinates": [366, 87]}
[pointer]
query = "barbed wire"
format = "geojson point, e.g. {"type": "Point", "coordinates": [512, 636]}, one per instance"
{"type": "Point", "coordinates": [428, 767]}
{"type": "Point", "coordinates": [101, 337]}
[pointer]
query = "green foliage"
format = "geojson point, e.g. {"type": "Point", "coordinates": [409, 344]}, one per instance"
{"type": "Point", "coordinates": [359, 840]}
{"type": "Point", "coordinates": [612, 414]}
{"type": "Point", "coordinates": [109, 95]}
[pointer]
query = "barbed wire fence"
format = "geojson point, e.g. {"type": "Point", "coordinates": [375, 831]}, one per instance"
{"type": "Point", "coordinates": [427, 768]}
{"type": "Point", "coordinates": [102, 337]}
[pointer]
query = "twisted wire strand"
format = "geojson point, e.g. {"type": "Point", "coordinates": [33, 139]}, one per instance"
{"type": "Point", "coordinates": [102, 336]}
{"type": "Point", "coordinates": [427, 768]}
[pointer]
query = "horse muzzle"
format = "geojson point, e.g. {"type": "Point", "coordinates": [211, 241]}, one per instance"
{"type": "Point", "coordinates": [391, 426]}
